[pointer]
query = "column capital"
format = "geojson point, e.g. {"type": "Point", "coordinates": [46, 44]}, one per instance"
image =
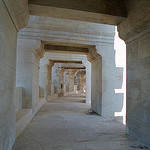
{"type": "Point", "coordinates": [92, 55]}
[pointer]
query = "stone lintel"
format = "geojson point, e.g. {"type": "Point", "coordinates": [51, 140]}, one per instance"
{"type": "Point", "coordinates": [99, 11]}
{"type": "Point", "coordinates": [68, 62]}
{"type": "Point", "coordinates": [93, 55]}
{"type": "Point", "coordinates": [59, 48]}
{"type": "Point", "coordinates": [77, 68]}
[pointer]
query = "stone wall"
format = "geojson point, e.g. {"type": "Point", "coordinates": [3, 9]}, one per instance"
{"type": "Point", "coordinates": [135, 31]}
{"type": "Point", "coordinates": [27, 73]}
{"type": "Point", "coordinates": [8, 42]}
{"type": "Point", "coordinates": [138, 85]}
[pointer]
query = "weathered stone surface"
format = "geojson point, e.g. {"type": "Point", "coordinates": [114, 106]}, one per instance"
{"type": "Point", "coordinates": [18, 11]}
{"type": "Point", "coordinates": [137, 23]}
{"type": "Point", "coordinates": [8, 41]}
{"type": "Point", "coordinates": [99, 11]}
{"type": "Point", "coordinates": [135, 32]}
{"type": "Point", "coordinates": [28, 72]}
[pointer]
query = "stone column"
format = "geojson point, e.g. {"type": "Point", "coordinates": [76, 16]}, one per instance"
{"type": "Point", "coordinates": [71, 80]}
{"type": "Point", "coordinates": [96, 80]}
{"type": "Point", "coordinates": [82, 82]}
{"type": "Point", "coordinates": [49, 84]}
{"type": "Point", "coordinates": [29, 53]}
{"type": "Point", "coordinates": [78, 80]}
{"type": "Point", "coordinates": [136, 33]}
{"type": "Point", "coordinates": [87, 64]}
{"type": "Point", "coordinates": [44, 81]}
{"type": "Point", "coordinates": [62, 81]}
{"type": "Point", "coordinates": [55, 78]}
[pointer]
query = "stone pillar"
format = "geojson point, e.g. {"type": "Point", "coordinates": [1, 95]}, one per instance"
{"type": "Point", "coordinates": [50, 89]}
{"type": "Point", "coordinates": [96, 80]}
{"type": "Point", "coordinates": [82, 82]}
{"type": "Point", "coordinates": [136, 33]}
{"type": "Point", "coordinates": [71, 80]}
{"type": "Point", "coordinates": [62, 81]}
{"type": "Point", "coordinates": [45, 78]}
{"type": "Point", "coordinates": [87, 64]}
{"type": "Point", "coordinates": [55, 78]}
{"type": "Point", "coordinates": [78, 80]}
{"type": "Point", "coordinates": [44, 81]}
{"type": "Point", "coordinates": [29, 53]}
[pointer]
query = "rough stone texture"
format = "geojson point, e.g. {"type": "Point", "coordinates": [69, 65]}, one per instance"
{"type": "Point", "coordinates": [56, 78]}
{"type": "Point", "coordinates": [79, 80]}
{"type": "Point", "coordinates": [14, 15]}
{"type": "Point", "coordinates": [18, 11]}
{"type": "Point", "coordinates": [72, 126]}
{"type": "Point", "coordinates": [90, 6]}
{"type": "Point", "coordinates": [138, 104]}
{"type": "Point", "coordinates": [100, 11]}
{"type": "Point", "coordinates": [137, 23]}
{"type": "Point", "coordinates": [8, 41]}
{"type": "Point", "coordinates": [135, 32]}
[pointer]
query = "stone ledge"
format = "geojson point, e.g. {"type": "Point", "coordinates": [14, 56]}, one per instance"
{"type": "Point", "coordinates": [23, 118]}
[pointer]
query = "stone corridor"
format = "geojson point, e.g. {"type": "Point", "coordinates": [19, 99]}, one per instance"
{"type": "Point", "coordinates": [68, 124]}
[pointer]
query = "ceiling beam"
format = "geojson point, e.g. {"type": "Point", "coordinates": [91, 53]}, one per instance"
{"type": "Point", "coordinates": [110, 12]}
{"type": "Point", "coordinates": [58, 48]}
{"type": "Point", "coordinates": [78, 68]}
{"type": "Point", "coordinates": [68, 62]}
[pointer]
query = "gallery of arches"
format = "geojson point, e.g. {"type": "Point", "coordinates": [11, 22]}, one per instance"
{"type": "Point", "coordinates": [74, 74]}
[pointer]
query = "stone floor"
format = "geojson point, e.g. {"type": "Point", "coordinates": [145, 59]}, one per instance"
{"type": "Point", "coordinates": [62, 125]}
